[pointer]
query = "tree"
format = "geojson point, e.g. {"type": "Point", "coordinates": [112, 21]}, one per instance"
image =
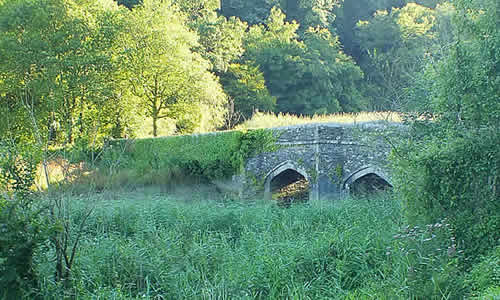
{"type": "Point", "coordinates": [349, 13]}
{"type": "Point", "coordinates": [310, 13]}
{"type": "Point", "coordinates": [55, 67]}
{"type": "Point", "coordinates": [307, 13]}
{"type": "Point", "coordinates": [199, 10]}
{"type": "Point", "coordinates": [306, 77]}
{"type": "Point", "coordinates": [245, 84]}
{"type": "Point", "coordinates": [129, 3]}
{"type": "Point", "coordinates": [27, 49]}
{"type": "Point", "coordinates": [395, 47]}
{"type": "Point", "coordinates": [342, 77]}
{"type": "Point", "coordinates": [252, 12]}
{"type": "Point", "coordinates": [57, 61]}
{"type": "Point", "coordinates": [220, 38]}
{"type": "Point", "coordinates": [162, 71]}
{"type": "Point", "coordinates": [222, 41]}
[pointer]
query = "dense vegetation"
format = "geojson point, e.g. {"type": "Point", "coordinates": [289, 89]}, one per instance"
{"type": "Point", "coordinates": [75, 74]}
{"type": "Point", "coordinates": [144, 244]}
{"type": "Point", "coordinates": [199, 158]}
{"type": "Point", "coordinates": [90, 69]}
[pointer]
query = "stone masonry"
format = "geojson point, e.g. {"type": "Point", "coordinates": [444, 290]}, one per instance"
{"type": "Point", "coordinates": [330, 156]}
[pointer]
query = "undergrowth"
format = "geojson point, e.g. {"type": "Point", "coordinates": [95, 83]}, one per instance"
{"type": "Point", "coordinates": [147, 245]}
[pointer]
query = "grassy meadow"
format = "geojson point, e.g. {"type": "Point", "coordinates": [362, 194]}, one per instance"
{"type": "Point", "coordinates": [151, 243]}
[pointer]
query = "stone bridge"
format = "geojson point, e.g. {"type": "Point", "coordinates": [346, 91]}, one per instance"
{"type": "Point", "coordinates": [332, 160]}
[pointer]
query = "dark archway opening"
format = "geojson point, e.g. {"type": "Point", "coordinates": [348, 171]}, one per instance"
{"type": "Point", "coordinates": [289, 187]}
{"type": "Point", "coordinates": [369, 184]}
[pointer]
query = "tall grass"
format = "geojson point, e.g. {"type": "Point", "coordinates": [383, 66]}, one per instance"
{"type": "Point", "coordinates": [146, 244]}
{"type": "Point", "coordinates": [269, 120]}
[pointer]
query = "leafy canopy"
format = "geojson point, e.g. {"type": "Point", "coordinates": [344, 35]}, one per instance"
{"type": "Point", "coordinates": [167, 77]}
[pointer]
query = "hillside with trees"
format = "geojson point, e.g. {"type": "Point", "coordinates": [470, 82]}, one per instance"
{"type": "Point", "coordinates": [102, 68]}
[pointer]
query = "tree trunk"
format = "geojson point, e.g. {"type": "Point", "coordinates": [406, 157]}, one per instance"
{"type": "Point", "coordinates": [155, 128]}
{"type": "Point", "coordinates": [69, 130]}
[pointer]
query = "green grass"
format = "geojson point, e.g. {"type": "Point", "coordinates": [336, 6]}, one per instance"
{"type": "Point", "coordinates": [147, 244]}
{"type": "Point", "coordinates": [269, 120]}
{"type": "Point", "coordinates": [262, 120]}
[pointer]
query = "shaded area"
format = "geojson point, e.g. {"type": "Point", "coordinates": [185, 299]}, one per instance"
{"type": "Point", "coordinates": [288, 187]}
{"type": "Point", "coordinates": [369, 184]}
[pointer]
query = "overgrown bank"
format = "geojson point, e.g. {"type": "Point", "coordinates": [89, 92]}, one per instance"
{"type": "Point", "coordinates": [183, 159]}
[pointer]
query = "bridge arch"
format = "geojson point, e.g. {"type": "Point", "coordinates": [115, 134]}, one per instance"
{"type": "Point", "coordinates": [281, 168]}
{"type": "Point", "coordinates": [367, 173]}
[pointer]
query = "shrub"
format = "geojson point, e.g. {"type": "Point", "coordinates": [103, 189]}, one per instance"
{"type": "Point", "coordinates": [458, 179]}
{"type": "Point", "coordinates": [485, 275]}
{"type": "Point", "coordinates": [22, 225]}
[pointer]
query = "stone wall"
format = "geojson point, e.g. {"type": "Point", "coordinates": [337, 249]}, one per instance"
{"type": "Point", "coordinates": [330, 156]}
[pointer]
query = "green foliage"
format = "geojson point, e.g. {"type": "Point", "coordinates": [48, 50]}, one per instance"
{"type": "Point", "coordinates": [18, 168]}
{"type": "Point", "coordinates": [347, 16]}
{"type": "Point", "coordinates": [307, 13]}
{"type": "Point", "coordinates": [311, 13]}
{"type": "Point", "coordinates": [395, 46]}
{"type": "Point", "coordinates": [186, 158]}
{"type": "Point", "coordinates": [467, 84]}
{"type": "Point", "coordinates": [96, 70]}
{"type": "Point", "coordinates": [485, 275]}
{"type": "Point", "coordinates": [306, 77]}
{"type": "Point", "coordinates": [449, 165]}
{"type": "Point", "coordinates": [222, 40]}
{"type": "Point", "coordinates": [455, 179]}
{"type": "Point", "coordinates": [56, 65]}
{"type": "Point", "coordinates": [203, 156]}
{"type": "Point", "coordinates": [168, 79]}
{"type": "Point", "coordinates": [245, 84]}
{"type": "Point", "coordinates": [129, 3]}
{"type": "Point", "coordinates": [255, 12]}
{"type": "Point", "coordinates": [252, 143]}
{"type": "Point", "coordinates": [22, 225]}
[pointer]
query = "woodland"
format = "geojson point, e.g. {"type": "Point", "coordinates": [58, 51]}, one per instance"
{"type": "Point", "coordinates": [94, 68]}
{"type": "Point", "coordinates": [82, 82]}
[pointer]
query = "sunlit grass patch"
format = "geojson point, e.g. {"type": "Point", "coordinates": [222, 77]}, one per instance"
{"type": "Point", "coordinates": [60, 171]}
{"type": "Point", "coordinates": [269, 120]}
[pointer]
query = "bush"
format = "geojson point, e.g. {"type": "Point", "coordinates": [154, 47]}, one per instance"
{"type": "Point", "coordinates": [458, 179]}
{"type": "Point", "coordinates": [485, 275]}
{"type": "Point", "coordinates": [22, 225]}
